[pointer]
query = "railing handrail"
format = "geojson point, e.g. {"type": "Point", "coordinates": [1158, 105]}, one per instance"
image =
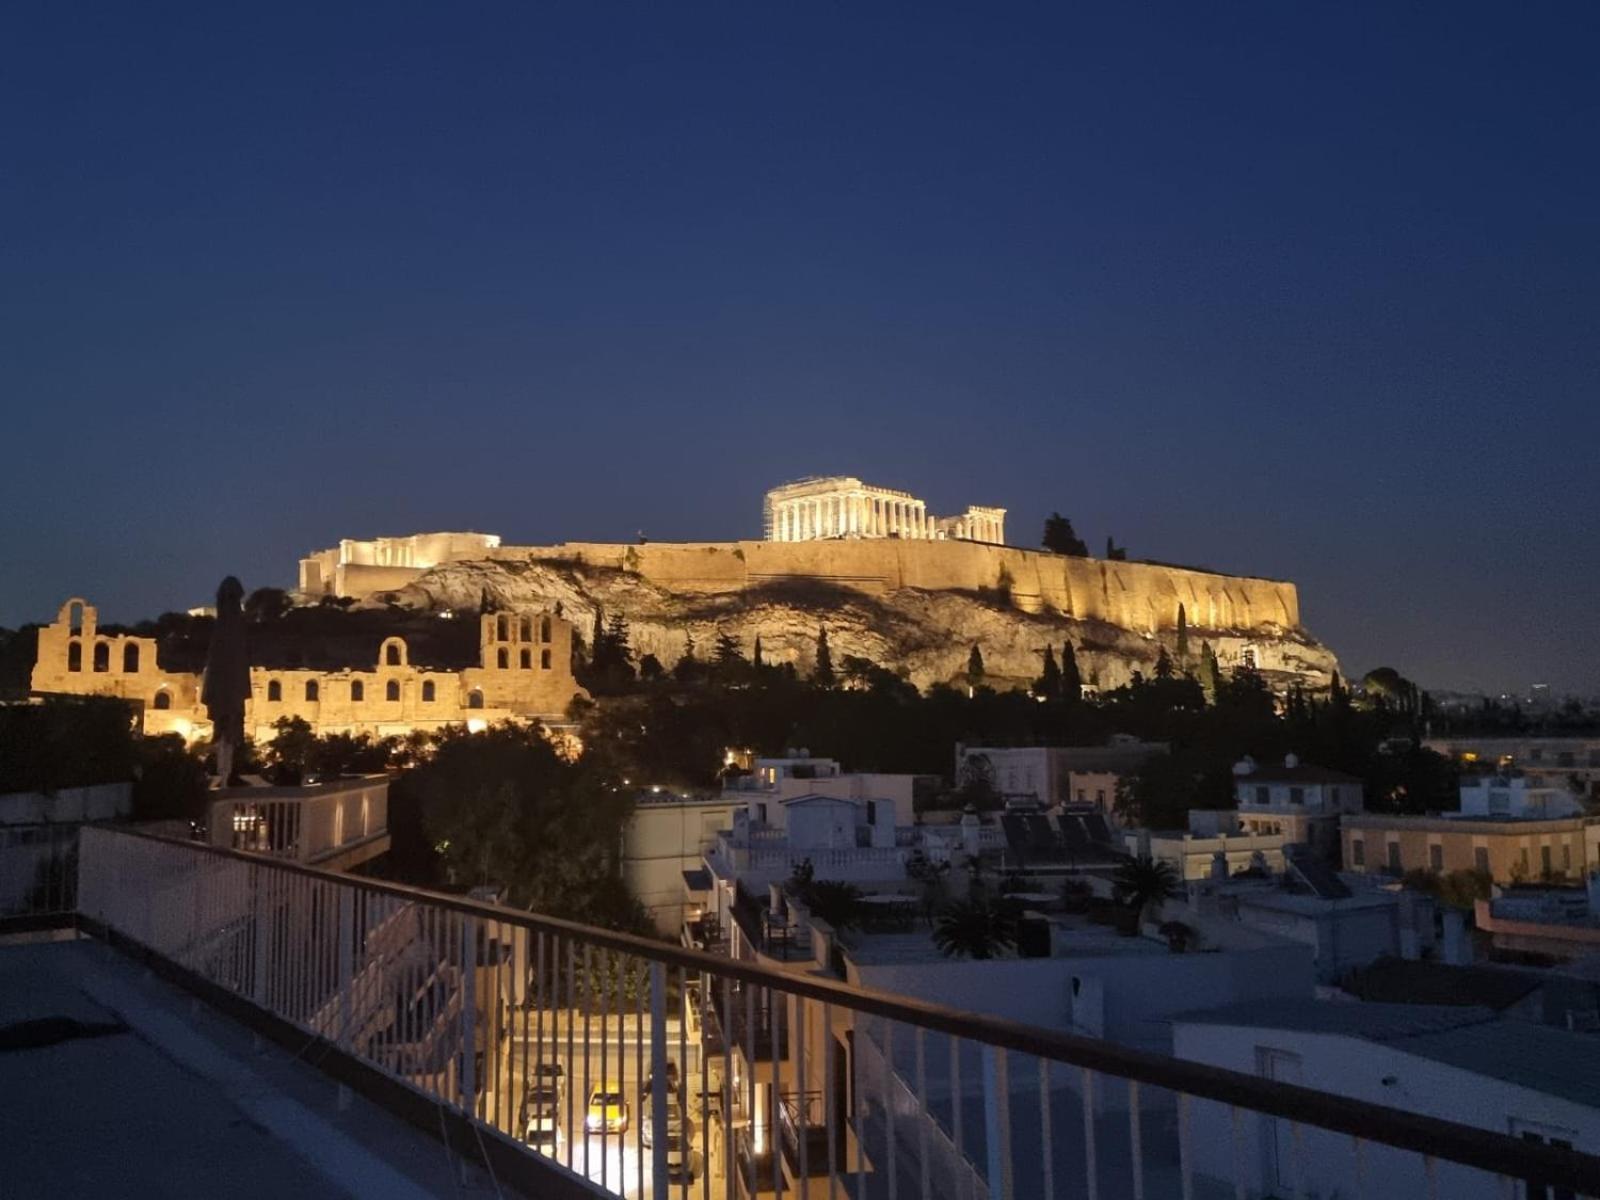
{"type": "Point", "coordinates": [1487, 1150]}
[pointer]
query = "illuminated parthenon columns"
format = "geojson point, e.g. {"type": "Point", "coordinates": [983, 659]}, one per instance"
{"type": "Point", "coordinates": [845, 507]}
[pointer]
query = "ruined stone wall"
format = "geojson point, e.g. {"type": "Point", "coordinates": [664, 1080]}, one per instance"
{"type": "Point", "coordinates": [1142, 597]}
{"type": "Point", "coordinates": [525, 670]}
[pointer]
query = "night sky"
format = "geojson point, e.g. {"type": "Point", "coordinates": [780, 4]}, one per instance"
{"type": "Point", "coordinates": [1291, 289]}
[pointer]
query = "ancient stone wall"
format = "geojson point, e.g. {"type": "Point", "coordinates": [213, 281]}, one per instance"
{"type": "Point", "coordinates": [1142, 597]}
{"type": "Point", "coordinates": [525, 670]}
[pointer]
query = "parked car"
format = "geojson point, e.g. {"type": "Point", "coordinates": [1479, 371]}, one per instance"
{"type": "Point", "coordinates": [672, 1080]}
{"type": "Point", "coordinates": [608, 1111]}
{"type": "Point", "coordinates": [541, 1116]}
{"type": "Point", "coordinates": [677, 1124]}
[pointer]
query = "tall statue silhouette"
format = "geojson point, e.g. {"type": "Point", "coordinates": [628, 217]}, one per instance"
{"type": "Point", "coordinates": [226, 686]}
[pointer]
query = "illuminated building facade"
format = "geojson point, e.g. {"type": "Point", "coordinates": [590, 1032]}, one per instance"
{"type": "Point", "coordinates": [841, 506]}
{"type": "Point", "coordinates": [525, 670]}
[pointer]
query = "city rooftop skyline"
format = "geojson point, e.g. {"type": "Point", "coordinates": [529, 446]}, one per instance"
{"type": "Point", "coordinates": [1293, 293]}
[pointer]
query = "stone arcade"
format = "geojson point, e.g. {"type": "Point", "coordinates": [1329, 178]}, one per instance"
{"type": "Point", "coordinates": [525, 670]}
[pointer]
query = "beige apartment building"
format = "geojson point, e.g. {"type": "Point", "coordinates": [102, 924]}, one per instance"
{"type": "Point", "coordinates": [1510, 850]}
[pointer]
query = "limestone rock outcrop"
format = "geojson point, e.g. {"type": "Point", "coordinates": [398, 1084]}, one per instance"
{"type": "Point", "coordinates": [923, 633]}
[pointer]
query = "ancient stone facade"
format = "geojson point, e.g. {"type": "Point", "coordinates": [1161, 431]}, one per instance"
{"type": "Point", "coordinates": [525, 670]}
{"type": "Point", "coordinates": [841, 506]}
{"type": "Point", "coordinates": [354, 566]}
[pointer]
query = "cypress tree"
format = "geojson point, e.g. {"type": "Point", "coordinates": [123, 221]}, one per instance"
{"type": "Point", "coordinates": [757, 657]}
{"type": "Point", "coordinates": [823, 675]}
{"type": "Point", "coordinates": [1071, 680]}
{"type": "Point", "coordinates": [1048, 684]}
{"type": "Point", "coordinates": [1183, 636]}
{"type": "Point", "coordinates": [974, 667]}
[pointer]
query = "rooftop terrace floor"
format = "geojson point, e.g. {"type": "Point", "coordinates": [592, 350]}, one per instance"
{"type": "Point", "coordinates": [158, 1095]}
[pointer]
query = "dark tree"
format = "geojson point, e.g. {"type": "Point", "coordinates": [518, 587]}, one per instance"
{"type": "Point", "coordinates": [1048, 684]}
{"type": "Point", "coordinates": [1060, 537]}
{"type": "Point", "coordinates": [1071, 680]}
{"type": "Point", "coordinates": [1183, 636]}
{"type": "Point", "coordinates": [823, 675]}
{"type": "Point", "coordinates": [1114, 552]}
{"type": "Point", "coordinates": [756, 657]}
{"type": "Point", "coordinates": [1163, 667]}
{"type": "Point", "coordinates": [974, 667]}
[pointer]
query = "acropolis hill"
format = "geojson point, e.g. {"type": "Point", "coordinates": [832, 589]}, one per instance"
{"type": "Point", "coordinates": [887, 581]}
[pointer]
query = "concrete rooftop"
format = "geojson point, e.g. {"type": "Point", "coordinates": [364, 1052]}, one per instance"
{"type": "Point", "coordinates": [158, 1095]}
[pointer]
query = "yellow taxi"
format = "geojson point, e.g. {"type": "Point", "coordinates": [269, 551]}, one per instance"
{"type": "Point", "coordinates": [608, 1111]}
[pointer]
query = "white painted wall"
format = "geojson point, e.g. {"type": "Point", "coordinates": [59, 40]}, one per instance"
{"type": "Point", "coordinates": [1349, 1066]}
{"type": "Point", "coordinates": [1141, 992]}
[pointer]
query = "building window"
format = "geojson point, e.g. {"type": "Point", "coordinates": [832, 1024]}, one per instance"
{"type": "Point", "coordinates": [130, 659]}
{"type": "Point", "coordinates": [163, 701]}
{"type": "Point", "coordinates": [274, 691]}
{"type": "Point", "coordinates": [502, 627]}
{"type": "Point", "coordinates": [544, 659]}
{"type": "Point", "coordinates": [544, 629]}
{"type": "Point", "coordinates": [1480, 859]}
{"type": "Point", "coordinates": [1564, 759]}
{"type": "Point", "coordinates": [391, 690]}
{"type": "Point", "coordinates": [527, 659]}
{"type": "Point", "coordinates": [502, 658]}
{"type": "Point", "coordinates": [1566, 856]}
{"type": "Point", "coordinates": [475, 699]}
{"type": "Point", "coordinates": [391, 654]}
{"type": "Point", "coordinates": [313, 691]}
{"type": "Point", "coordinates": [358, 690]}
{"type": "Point", "coordinates": [1535, 753]}
{"type": "Point", "coordinates": [1247, 659]}
{"type": "Point", "coordinates": [1100, 797]}
{"type": "Point", "coordinates": [1394, 856]}
{"type": "Point", "coordinates": [102, 657]}
{"type": "Point", "coordinates": [525, 629]}
{"type": "Point", "coordinates": [1544, 861]}
{"type": "Point", "coordinates": [1436, 857]}
{"type": "Point", "coordinates": [74, 656]}
{"type": "Point", "coordinates": [1297, 795]}
{"type": "Point", "coordinates": [1358, 852]}
{"type": "Point", "coordinates": [427, 691]}
{"type": "Point", "coordinates": [1262, 795]}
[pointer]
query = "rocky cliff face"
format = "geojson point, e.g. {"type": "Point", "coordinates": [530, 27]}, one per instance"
{"type": "Point", "coordinates": [924, 635]}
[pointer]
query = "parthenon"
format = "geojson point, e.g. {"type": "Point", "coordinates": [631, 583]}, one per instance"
{"type": "Point", "coordinates": [841, 506]}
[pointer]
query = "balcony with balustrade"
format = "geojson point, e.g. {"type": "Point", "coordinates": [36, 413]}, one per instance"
{"type": "Point", "coordinates": [405, 1016]}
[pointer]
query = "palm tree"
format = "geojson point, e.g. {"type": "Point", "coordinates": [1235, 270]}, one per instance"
{"type": "Point", "coordinates": [1141, 881]}
{"type": "Point", "coordinates": [976, 928]}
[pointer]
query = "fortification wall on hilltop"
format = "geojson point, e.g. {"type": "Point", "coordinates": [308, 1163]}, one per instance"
{"type": "Point", "coordinates": [1142, 597]}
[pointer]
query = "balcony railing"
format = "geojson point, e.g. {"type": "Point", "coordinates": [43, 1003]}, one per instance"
{"type": "Point", "coordinates": [462, 1005]}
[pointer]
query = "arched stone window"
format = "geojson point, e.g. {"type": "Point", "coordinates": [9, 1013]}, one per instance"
{"type": "Point", "coordinates": [427, 691]}
{"type": "Point", "coordinates": [74, 655]}
{"type": "Point", "coordinates": [75, 616]}
{"type": "Point", "coordinates": [475, 699]}
{"type": "Point", "coordinates": [313, 691]}
{"type": "Point", "coordinates": [130, 658]}
{"type": "Point", "coordinates": [527, 659]}
{"type": "Point", "coordinates": [102, 657]}
{"type": "Point", "coordinates": [525, 629]}
{"type": "Point", "coordinates": [502, 627]}
{"type": "Point", "coordinates": [502, 658]}
{"type": "Point", "coordinates": [391, 690]}
{"type": "Point", "coordinates": [163, 701]}
{"type": "Point", "coordinates": [391, 654]}
{"type": "Point", "coordinates": [544, 659]}
{"type": "Point", "coordinates": [358, 690]}
{"type": "Point", "coordinates": [274, 691]}
{"type": "Point", "coordinates": [544, 629]}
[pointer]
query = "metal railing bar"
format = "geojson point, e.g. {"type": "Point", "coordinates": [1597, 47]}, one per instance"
{"type": "Point", "coordinates": [1488, 1150]}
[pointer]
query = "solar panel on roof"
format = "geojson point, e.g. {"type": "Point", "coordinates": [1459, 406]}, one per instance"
{"type": "Point", "coordinates": [1042, 835]}
{"type": "Point", "coordinates": [1075, 835]}
{"type": "Point", "coordinates": [1319, 877]}
{"type": "Point", "coordinates": [1016, 832]}
{"type": "Point", "coordinates": [1098, 828]}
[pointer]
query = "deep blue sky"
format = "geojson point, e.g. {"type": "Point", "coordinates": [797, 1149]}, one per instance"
{"type": "Point", "coordinates": [1302, 290]}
